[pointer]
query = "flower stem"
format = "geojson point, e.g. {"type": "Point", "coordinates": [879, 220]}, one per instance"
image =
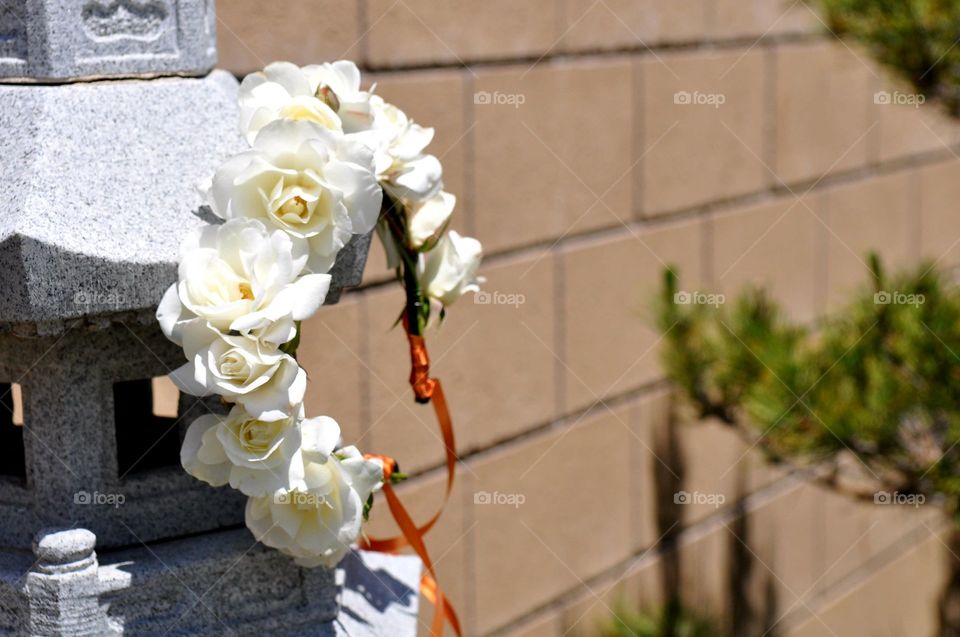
{"type": "Point", "coordinates": [395, 218]}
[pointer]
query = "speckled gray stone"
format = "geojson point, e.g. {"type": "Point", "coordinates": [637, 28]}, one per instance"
{"type": "Point", "coordinates": [63, 548]}
{"type": "Point", "coordinates": [62, 40]}
{"type": "Point", "coordinates": [99, 184]}
{"type": "Point", "coordinates": [217, 584]}
{"type": "Point", "coordinates": [70, 443]}
{"type": "Point", "coordinates": [62, 588]}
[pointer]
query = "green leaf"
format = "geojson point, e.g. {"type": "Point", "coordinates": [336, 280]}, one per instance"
{"type": "Point", "coordinates": [367, 506]}
{"type": "Point", "coordinates": [291, 346]}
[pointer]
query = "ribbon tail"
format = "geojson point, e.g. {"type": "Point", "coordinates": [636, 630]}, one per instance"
{"type": "Point", "coordinates": [425, 390]}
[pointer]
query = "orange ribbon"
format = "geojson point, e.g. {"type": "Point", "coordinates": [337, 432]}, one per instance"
{"type": "Point", "coordinates": [425, 390]}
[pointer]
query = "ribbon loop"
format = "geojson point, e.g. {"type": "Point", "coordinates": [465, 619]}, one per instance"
{"type": "Point", "coordinates": [425, 390]}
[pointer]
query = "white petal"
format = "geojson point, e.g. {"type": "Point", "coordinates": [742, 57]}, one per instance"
{"type": "Point", "coordinates": [169, 312]}
{"type": "Point", "coordinates": [216, 475]}
{"type": "Point", "coordinates": [418, 179]}
{"type": "Point", "coordinates": [289, 76]}
{"type": "Point", "coordinates": [428, 219]}
{"type": "Point", "coordinates": [184, 378]}
{"type": "Point", "coordinates": [257, 483]}
{"type": "Point", "coordinates": [306, 295]}
{"type": "Point", "coordinates": [277, 398]}
{"type": "Point", "coordinates": [319, 437]}
{"type": "Point", "coordinates": [283, 137]}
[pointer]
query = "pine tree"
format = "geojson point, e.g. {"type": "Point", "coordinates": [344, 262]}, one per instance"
{"type": "Point", "coordinates": [879, 381]}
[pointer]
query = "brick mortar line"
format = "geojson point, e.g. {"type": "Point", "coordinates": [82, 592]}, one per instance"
{"type": "Point", "coordinates": [649, 555]}
{"type": "Point", "coordinates": [552, 424]}
{"type": "Point", "coordinates": [571, 418]}
{"type": "Point", "coordinates": [693, 46]}
{"type": "Point", "coordinates": [915, 195]}
{"type": "Point", "coordinates": [586, 54]}
{"type": "Point", "coordinates": [839, 178]}
{"type": "Point", "coordinates": [560, 377]}
{"type": "Point", "coordinates": [717, 207]}
{"type": "Point", "coordinates": [862, 574]}
{"type": "Point", "coordinates": [638, 93]}
{"type": "Point", "coordinates": [751, 502]}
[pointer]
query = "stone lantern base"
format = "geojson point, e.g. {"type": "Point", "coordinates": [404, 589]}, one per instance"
{"type": "Point", "coordinates": [216, 584]}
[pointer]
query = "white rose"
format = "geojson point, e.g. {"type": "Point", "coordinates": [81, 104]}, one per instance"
{"type": "Point", "coordinates": [316, 522]}
{"type": "Point", "coordinates": [427, 220]}
{"type": "Point", "coordinates": [257, 457]}
{"type": "Point", "coordinates": [450, 270]}
{"type": "Point", "coordinates": [242, 369]}
{"type": "Point", "coordinates": [281, 91]}
{"type": "Point", "coordinates": [402, 166]}
{"type": "Point", "coordinates": [394, 136]}
{"type": "Point", "coordinates": [327, 94]}
{"type": "Point", "coordinates": [237, 276]}
{"type": "Point", "coordinates": [315, 185]}
{"type": "Point", "coordinates": [415, 180]}
{"type": "Point", "coordinates": [342, 78]}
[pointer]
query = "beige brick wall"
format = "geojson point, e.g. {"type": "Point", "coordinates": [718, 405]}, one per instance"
{"type": "Point", "coordinates": [581, 195]}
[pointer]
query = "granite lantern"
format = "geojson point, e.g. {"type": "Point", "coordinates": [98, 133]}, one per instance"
{"type": "Point", "coordinates": [111, 116]}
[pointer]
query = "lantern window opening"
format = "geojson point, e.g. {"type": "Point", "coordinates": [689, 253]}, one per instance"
{"type": "Point", "coordinates": [146, 419]}
{"type": "Point", "coordinates": [12, 457]}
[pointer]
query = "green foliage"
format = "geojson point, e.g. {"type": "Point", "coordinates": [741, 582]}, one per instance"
{"type": "Point", "coordinates": [670, 621]}
{"type": "Point", "coordinates": [881, 378]}
{"type": "Point", "coordinates": [718, 355]}
{"type": "Point", "coordinates": [916, 37]}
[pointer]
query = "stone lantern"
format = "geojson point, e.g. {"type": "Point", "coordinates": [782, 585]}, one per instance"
{"type": "Point", "coordinates": [111, 116]}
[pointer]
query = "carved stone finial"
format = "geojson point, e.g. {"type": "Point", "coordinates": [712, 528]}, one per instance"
{"type": "Point", "coordinates": [64, 40]}
{"type": "Point", "coordinates": [63, 588]}
{"type": "Point", "coordinates": [64, 550]}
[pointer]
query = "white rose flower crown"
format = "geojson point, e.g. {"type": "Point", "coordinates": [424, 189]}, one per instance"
{"type": "Point", "coordinates": [327, 161]}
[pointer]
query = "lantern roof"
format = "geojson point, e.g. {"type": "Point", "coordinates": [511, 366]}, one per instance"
{"type": "Point", "coordinates": [99, 182]}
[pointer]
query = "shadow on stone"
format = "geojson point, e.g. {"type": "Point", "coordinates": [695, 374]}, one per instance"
{"type": "Point", "coordinates": [378, 587]}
